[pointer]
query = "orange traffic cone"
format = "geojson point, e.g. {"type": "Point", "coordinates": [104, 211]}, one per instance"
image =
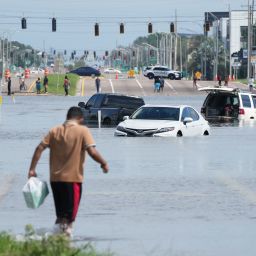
{"type": "Point", "coordinates": [116, 75]}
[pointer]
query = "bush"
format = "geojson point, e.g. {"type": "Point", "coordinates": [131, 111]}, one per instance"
{"type": "Point", "coordinates": [58, 245]}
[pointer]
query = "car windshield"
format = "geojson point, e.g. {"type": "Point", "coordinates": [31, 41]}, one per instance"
{"type": "Point", "coordinates": [157, 113]}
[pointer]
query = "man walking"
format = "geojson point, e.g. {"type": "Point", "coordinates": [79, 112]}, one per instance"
{"type": "Point", "coordinates": [45, 84]}
{"type": "Point", "coordinates": [9, 84]}
{"type": "Point", "coordinates": [68, 144]}
{"type": "Point", "coordinates": [97, 83]}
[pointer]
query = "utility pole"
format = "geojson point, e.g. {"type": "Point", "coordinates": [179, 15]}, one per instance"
{"type": "Point", "coordinates": [230, 58]}
{"type": "Point", "coordinates": [249, 43]}
{"type": "Point", "coordinates": [176, 42]}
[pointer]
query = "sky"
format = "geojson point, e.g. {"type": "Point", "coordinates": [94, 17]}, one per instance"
{"type": "Point", "coordinates": [76, 19]}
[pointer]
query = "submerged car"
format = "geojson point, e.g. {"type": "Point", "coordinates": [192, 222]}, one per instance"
{"type": "Point", "coordinates": [163, 121]}
{"type": "Point", "coordinates": [228, 104]}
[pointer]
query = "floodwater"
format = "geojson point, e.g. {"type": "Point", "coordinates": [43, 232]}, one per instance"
{"type": "Point", "coordinates": [163, 196]}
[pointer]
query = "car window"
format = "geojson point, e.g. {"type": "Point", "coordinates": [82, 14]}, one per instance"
{"type": "Point", "coordinates": [193, 114]}
{"type": "Point", "coordinates": [91, 101]}
{"type": "Point", "coordinates": [189, 112]}
{"type": "Point", "coordinates": [254, 100]}
{"type": "Point", "coordinates": [157, 113]}
{"type": "Point", "coordinates": [246, 101]}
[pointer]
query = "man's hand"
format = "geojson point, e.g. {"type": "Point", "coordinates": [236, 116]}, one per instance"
{"type": "Point", "coordinates": [32, 173]}
{"type": "Point", "coordinates": [105, 168]}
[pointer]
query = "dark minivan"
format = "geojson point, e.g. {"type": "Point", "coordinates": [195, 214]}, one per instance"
{"type": "Point", "coordinates": [113, 108]}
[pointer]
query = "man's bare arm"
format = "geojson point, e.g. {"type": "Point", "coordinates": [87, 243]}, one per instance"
{"type": "Point", "coordinates": [95, 155]}
{"type": "Point", "coordinates": [37, 154]}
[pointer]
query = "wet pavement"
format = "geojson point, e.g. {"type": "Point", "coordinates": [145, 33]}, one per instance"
{"type": "Point", "coordinates": [163, 196]}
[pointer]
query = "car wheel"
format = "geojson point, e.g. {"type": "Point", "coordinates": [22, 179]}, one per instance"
{"type": "Point", "coordinates": [150, 76]}
{"type": "Point", "coordinates": [179, 134]}
{"type": "Point", "coordinates": [171, 77]}
{"type": "Point", "coordinates": [106, 121]}
{"type": "Point", "coordinates": [206, 133]}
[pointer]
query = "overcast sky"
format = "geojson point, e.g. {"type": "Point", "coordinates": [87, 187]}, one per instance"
{"type": "Point", "coordinates": [76, 19]}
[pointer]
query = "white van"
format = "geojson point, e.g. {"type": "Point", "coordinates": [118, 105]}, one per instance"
{"type": "Point", "coordinates": [228, 104]}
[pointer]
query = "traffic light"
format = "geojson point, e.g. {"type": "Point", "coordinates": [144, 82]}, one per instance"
{"type": "Point", "coordinates": [26, 55]}
{"type": "Point", "coordinates": [150, 28]}
{"type": "Point", "coordinates": [54, 52]}
{"type": "Point", "coordinates": [122, 28]}
{"type": "Point", "coordinates": [72, 55]}
{"type": "Point", "coordinates": [96, 29]}
{"type": "Point", "coordinates": [11, 54]}
{"type": "Point", "coordinates": [119, 53]}
{"type": "Point", "coordinates": [32, 51]}
{"type": "Point", "coordinates": [54, 25]}
{"type": "Point", "coordinates": [43, 54]}
{"type": "Point", "coordinates": [23, 23]}
{"type": "Point", "coordinates": [151, 53]}
{"type": "Point", "coordinates": [94, 55]}
{"type": "Point", "coordinates": [106, 53]}
{"type": "Point", "coordinates": [172, 28]}
{"type": "Point", "coordinates": [74, 52]}
{"type": "Point", "coordinates": [65, 52]}
{"type": "Point", "coordinates": [133, 53]}
{"type": "Point", "coordinates": [207, 26]}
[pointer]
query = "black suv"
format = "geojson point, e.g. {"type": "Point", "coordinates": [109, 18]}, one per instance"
{"type": "Point", "coordinates": [113, 108]}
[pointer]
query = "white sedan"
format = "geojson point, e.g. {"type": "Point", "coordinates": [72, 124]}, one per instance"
{"type": "Point", "coordinates": [112, 71]}
{"type": "Point", "coordinates": [163, 121]}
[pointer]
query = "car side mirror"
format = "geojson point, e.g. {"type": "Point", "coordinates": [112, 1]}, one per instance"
{"type": "Point", "coordinates": [126, 118]}
{"type": "Point", "coordinates": [81, 104]}
{"type": "Point", "coordinates": [187, 120]}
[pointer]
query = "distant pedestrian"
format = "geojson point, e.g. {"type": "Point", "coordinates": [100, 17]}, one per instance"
{"type": "Point", "coordinates": [219, 80]}
{"type": "Point", "coordinates": [226, 81]}
{"type": "Point", "coordinates": [251, 83]}
{"type": "Point", "coordinates": [68, 144]}
{"type": "Point", "coordinates": [9, 85]}
{"type": "Point", "coordinates": [194, 82]}
{"type": "Point", "coordinates": [157, 84]}
{"type": "Point", "coordinates": [66, 85]}
{"type": "Point", "coordinates": [38, 85]}
{"type": "Point", "coordinates": [97, 83]}
{"type": "Point", "coordinates": [45, 84]}
{"type": "Point", "coordinates": [161, 84]}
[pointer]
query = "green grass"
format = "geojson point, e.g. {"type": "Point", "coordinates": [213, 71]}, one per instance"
{"type": "Point", "coordinates": [55, 84]}
{"type": "Point", "coordinates": [48, 246]}
{"type": "Point", "coordinates": [243, 81]}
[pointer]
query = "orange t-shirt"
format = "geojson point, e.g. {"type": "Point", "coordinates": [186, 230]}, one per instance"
{"type": "Point", "coordinates": [68, 144]}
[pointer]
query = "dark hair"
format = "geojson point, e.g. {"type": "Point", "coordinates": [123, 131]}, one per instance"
{"type": "Point", "coordinates": [66, 77]}
{"type": "Point", "coordinates": [74, 113]}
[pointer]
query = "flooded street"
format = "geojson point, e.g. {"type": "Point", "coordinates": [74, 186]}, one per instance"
{"type": "Point", "coordinates": [162, 196]}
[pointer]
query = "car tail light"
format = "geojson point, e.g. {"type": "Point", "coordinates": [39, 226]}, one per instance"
{"type": "Point", "coordinates": [241, 111]}
{"type": "Point", "coordinates": [202, 110]}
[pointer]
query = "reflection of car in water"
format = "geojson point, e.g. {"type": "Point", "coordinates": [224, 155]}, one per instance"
{"type": "Point", "coordinates": [228, 104]}
{"type": "Point", "coordinates": [163, 121]}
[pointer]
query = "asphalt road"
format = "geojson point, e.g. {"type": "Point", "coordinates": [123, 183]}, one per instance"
{"type": "Point", "coordinates": [139, 86]}
{"type": "Point", "coordinates": [142, 86]}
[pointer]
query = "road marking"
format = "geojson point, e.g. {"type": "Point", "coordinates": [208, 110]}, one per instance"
{"type": "Point", "coordinates": [31, 86]}
{"type": "Point", "coordinates": [137, 81]}
{"type": "Point", "coordinates": [139, 84]}
{"type": "Point", "coordinates": [235, 186]}
{"type": "Point", "coordinates": [111, 84]}
{"type": "Point", "coordinates": [82, 87]}
{"type": "Point", "coordinates": [171, 87]}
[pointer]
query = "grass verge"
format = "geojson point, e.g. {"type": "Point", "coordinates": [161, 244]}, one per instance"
{"type": "Point", "coordinates": [48, 246]}
{"type": "Point", "coordinates": [55, 84]}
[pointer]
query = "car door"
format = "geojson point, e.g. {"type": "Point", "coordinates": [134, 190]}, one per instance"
{"type": "Point", "coordinates": [89, 110]}
{"type": "Point", "coordinates": [247, 105]}
{"type": "Point", "coordinates": [192, 128]}
{"type": "Point", "coordinates": [254, 104]}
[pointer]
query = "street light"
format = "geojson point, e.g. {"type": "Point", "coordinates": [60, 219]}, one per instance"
{"type": "Point", "coordinates": [154, 48]}
{"type": "Point", "coordinates": [216, 64]}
